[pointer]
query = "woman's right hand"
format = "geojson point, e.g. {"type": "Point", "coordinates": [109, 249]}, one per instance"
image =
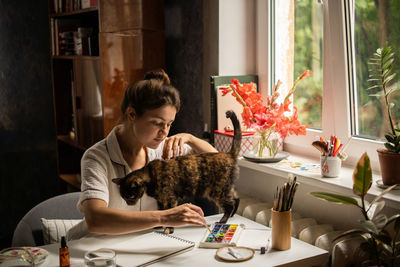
{"type": "Point", "coordinates": [182, 215]}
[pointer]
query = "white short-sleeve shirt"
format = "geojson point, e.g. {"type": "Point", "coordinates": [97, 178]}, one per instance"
{"type": "Point", "coordinates": [99, 165]}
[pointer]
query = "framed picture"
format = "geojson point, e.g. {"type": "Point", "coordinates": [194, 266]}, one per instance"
{"type": "Point", "coordinates": [220, 104]}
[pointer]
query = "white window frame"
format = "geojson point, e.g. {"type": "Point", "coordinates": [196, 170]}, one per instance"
{"type": "Point", "coordinates": [336, 113]}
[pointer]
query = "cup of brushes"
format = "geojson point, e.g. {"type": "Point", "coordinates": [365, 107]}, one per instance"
{"type": "Point", "coordinates": [281, 215]}
{"type": "Point", "coordinates": [332, 154]}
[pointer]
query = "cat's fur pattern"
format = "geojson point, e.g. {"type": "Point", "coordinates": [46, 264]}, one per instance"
{"type": "Point", "coordinates": [210, 175]}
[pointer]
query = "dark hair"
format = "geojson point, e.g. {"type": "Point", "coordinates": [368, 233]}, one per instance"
{"type": "Point", "coordinates": [153, 92]}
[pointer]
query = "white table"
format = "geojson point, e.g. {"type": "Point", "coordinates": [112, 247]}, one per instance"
{"type": "Point", "coordinates": [300, 253]}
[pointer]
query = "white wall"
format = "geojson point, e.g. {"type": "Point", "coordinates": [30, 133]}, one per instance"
{"type": "Point", "coordinates": [237, 31]}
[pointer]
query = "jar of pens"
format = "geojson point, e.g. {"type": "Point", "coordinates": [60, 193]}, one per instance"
{"type": "Point", "coordinates": [281, 214]}
{"type": "Point", "coordinates": [332, 155]}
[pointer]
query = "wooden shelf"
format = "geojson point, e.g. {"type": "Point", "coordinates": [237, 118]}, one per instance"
{"type": "Point", "coordinates": [66, 139]}
{"type": "Point", "coordinates": [73, 57]}
{"type": "Point", "coordinates": [75, 12]}
{"type": "Point", "coordinates": [84, 84]}
{"type": "Point", "coordinates": [71, 179]}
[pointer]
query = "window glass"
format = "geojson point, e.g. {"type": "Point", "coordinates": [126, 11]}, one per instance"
{"type": "Point", "coordinates": [298, 27]}
{"type": "Point", "coordinates": [375, 23]}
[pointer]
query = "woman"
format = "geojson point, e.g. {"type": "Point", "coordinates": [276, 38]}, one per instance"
{"type": "Point", "coordinates": [149, 108]}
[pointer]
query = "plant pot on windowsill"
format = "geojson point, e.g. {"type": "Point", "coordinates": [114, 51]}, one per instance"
{"type": "Point", "coordinates": [380, 66]}
{"type": "Point", "coordinates": [390, 166]}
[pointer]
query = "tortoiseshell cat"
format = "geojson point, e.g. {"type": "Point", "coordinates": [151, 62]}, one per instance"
{"type": "Point", "coordinates": [210, 175]}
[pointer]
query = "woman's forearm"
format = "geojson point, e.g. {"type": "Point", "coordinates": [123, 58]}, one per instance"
{"type": "Point", "coordinates": [200, 145]}
{"type": "Point", "coordinates": [104, 220]}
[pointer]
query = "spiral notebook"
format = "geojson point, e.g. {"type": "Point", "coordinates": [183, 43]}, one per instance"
{"type": "Point", "coordinates": [148, 248]}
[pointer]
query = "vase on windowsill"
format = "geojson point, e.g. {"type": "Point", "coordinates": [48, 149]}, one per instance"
{"type": "Point", "coordinates": [270, 117]}
{"type": "Point", "coordinates": [265, 144]}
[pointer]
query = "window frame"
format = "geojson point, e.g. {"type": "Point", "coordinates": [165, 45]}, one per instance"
{"type": "Point", "coordinates": [338, 84]}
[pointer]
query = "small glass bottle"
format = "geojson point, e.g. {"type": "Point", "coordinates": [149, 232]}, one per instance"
{"type": "Point", "coordinates": [64, 253]}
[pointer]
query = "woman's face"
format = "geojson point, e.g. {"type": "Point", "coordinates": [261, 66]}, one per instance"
{"type": "Point", "coordinates": [153, 126]}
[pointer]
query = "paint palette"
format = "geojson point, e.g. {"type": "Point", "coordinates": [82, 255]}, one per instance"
{"type": "Point", "coordinates": [225, 235]}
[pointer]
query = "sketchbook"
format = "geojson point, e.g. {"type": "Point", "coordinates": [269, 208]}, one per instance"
{"type": "Point", "coordinates": [148, 248]}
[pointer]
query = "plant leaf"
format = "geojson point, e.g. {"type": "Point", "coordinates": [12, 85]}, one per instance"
{"type": "Point", "coordinates": [389, 138]}
{"type": "Point", "coordinates": [369, 226]}
{"type": "Point", "coordinates": [362, 176]}
{"type": "Point", "coordinates": [380, 221]}
{"type": "Point", "coordinates": [396, 219]}
{"type": "Point", "coordinates": [385, 239]}
{"type": "Point", "coordinates": [388, 79]}
{"type": "Point", "coordinates": [349, 232]}
{"type": "Point", "coordinates": [397, 224]}
{"type": "Point", "coordinates": [393, 89]}
{"type": "Point", "coordinates": [387, 247]}
{"type": "Point", "coordinates": [375, 208]}
{"type": "Point", "coordinates": [338, 199]}
{"type": "Point", "coordinates": [387, 64]}
{"type": "Point", "coordinates": [375, 86]}
{"type": "Point", "coordinates": [381, 195]}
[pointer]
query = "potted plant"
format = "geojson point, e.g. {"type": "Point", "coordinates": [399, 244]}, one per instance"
{"type": "Point", "coordinates": [381, 66]}
{"type": "Point", "coordinates": [381, 242]}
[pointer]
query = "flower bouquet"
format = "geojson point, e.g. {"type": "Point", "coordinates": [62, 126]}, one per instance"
{"type": "Point", "coordinates": [269, 117]}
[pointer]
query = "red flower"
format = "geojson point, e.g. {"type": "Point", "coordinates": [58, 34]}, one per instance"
{"type": "Point", "coordinates": [270, 115]}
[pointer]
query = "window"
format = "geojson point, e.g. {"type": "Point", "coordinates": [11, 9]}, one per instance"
{"type": "Point", "coordinates": [297, 47]}
{"type": "Point", "coordinates": [334, 39]}
{"type": "Point", "coordinates": [375, 23]}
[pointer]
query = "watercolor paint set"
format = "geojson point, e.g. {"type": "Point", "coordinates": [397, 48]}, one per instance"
{"type": "Point", "coordinates": [223, 235]}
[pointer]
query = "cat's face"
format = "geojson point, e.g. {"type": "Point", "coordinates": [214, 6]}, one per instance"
{"type": "Point", "coordinates": [131, 188]}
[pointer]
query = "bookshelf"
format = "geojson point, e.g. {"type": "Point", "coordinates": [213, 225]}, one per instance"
{"type": "Point", "coordinates": [96, 52]}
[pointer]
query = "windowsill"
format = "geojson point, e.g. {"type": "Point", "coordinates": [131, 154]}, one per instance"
{"type": "Point", "coordinates": [341, 185]}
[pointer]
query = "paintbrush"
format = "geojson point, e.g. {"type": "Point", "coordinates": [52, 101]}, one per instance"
{"type": "Point", "coordinates": [211, 232]}
{"type": "Point", "coordinates": [321, 146]}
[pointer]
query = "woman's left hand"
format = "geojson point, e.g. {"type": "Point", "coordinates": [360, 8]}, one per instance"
{"type": "Point", "coordinates": [175, 144]}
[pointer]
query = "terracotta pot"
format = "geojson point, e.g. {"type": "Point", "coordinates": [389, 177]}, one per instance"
{"type": "Point", "coordinates": [390, 166]}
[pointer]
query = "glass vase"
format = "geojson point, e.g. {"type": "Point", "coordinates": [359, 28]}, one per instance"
{"type": "Point", "coordinates": [265, 144]}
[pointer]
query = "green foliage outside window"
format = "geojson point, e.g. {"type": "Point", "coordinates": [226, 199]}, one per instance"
{"type": "Point", "coordinates": [308, 55]}
{"type": "Point", "coordinates": [376, 23]}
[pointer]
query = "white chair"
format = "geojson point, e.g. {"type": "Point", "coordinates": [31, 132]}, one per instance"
{"type": "Point", "coordinates": [29, 230]}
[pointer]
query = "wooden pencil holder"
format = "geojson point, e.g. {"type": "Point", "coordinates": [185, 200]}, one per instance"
{"type": "Point", "coordinates": [281, 229]}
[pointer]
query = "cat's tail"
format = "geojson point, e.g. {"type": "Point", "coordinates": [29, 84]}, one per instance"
{"type": "Point", "coordinates": [237, 133]}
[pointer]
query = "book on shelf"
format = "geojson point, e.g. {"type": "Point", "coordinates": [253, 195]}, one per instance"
{"type": "Point", "coordinates": [82, 41]}
{"type": "Point", "coordinates": [68, 38]}
{"type": "Point", "coordinates": [89, 3]}
{"type": "Point", "coordinates": [60, 6]}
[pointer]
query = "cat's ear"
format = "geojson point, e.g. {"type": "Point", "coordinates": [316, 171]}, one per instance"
{"type": "Point", "coordinates": [117, 180]}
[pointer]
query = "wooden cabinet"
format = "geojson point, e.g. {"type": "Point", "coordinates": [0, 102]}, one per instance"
{"type": "Point", "coordinates": [96, 53]}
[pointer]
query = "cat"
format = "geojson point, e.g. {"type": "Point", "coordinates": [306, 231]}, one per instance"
{"type": "Point", "coordinates": [209, 175]}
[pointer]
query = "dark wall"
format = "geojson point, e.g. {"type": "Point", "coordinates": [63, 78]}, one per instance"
{"type": "Point", "coordinates": [27, 133]}
{"type": "Point", "coordinates": [184, 61]}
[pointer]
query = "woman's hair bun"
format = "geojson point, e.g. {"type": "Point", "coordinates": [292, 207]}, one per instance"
{"type": "Point", "coordinates": [158, 74]}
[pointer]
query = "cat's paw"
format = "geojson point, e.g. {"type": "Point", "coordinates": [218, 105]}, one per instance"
{"type": "Point", "coordinates": [168, 230]}
{"type": "Point", "coordinates": [224, 219]}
